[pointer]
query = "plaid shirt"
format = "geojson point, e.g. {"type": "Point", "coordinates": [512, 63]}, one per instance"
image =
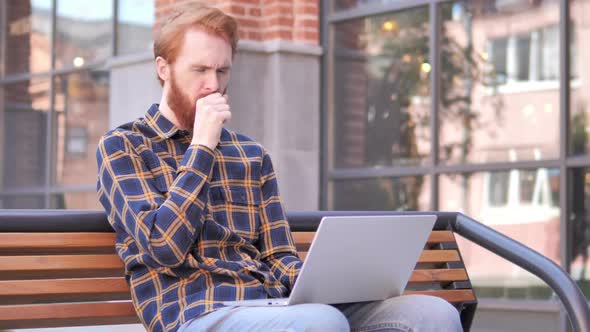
{"type": "Point", "coordinates": [194, 226]}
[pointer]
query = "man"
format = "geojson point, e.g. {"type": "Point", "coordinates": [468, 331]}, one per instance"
{"type": "Point", "coordinates": [197, 212]}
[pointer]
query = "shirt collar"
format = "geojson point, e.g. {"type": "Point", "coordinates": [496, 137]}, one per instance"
{"type": "Point", "coordinates": [159, 124]}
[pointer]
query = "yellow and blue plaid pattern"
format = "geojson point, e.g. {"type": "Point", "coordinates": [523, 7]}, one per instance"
{"type": "Point", "coordinates": [194, 226]}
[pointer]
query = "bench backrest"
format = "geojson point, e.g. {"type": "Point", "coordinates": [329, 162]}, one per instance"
{"type": "Point", "coordinates": [76, 279]}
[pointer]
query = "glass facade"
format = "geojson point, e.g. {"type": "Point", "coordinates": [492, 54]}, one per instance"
{"type": "Point", "coordinates": [54, 94]}
{"type": "Point", "coordinates": [520, 203]}
{"type": "Point", "coordinates": [80, 119]}
{"type": "Point", "coordinates": [381, 90]}
{"type": "Point", "coordinates": [25, 112]}
{"type": "Point", "coordinates": [464, 106]}
{"type": "Point", "coordinates": [497, 81]}
{"type": "Point", "coordinates": [404, 193]}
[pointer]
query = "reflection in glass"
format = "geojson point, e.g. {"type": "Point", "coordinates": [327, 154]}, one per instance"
{"type": "Point", "coordinates": [22, 202]}
{"type": "Point", "coordinates": [381, 91]}
{"type": "Point", "coordinates": [579, 227]}
{"type": "Point", "coordinates": [134, 28]}
{"type": "Point", "coordinates": [84, 32]}
{"type": "Point", "coordinates": [81, 118]}
{"type": "Point", "coordinates": [28, 36]}
{"type": "Point", "coordinates": [75, 200]}
{"type": "Point", "coordinates": [522, 204]}
{"type": "Point", "coordinates": [499, 81]}
{"type": "Point", "coordinates": [24, 110]}
{"type": "Point", "coordinates": [579, 143]}
{"type": "Point", "coordinates": [402, 194]}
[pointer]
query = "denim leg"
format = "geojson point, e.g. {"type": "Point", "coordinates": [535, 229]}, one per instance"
{"type": "Point", "coordinates": [302, 317]}
{"type": "Point", "coordinates": [415, 313]}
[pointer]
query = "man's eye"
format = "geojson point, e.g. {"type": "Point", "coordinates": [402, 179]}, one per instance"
{"type": "Point", "coordinates": [200, 70]}
{"type": "Point", "coordinates": [222, 71]}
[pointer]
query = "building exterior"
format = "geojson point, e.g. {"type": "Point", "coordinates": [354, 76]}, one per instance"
{"type": "Point", "coordinates": [476, 106]}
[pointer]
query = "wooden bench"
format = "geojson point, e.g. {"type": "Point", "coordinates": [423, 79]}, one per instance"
{"type": "Point", "coordinates": [65, 272]}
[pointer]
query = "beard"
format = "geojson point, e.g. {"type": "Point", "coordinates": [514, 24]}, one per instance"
{"type": "Point", "coordinates": [181, 105]}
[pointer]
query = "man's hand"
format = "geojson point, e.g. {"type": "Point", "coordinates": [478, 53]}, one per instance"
{"type": "Point", "coordinates": [211, 113]}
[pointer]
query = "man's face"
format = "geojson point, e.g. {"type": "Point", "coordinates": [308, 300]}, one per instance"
{"type": "Point", "coordinates": [201, 68]}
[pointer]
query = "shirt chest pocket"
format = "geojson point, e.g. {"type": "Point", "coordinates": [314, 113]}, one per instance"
{"type": "Point", "coordinates": [237, 208]}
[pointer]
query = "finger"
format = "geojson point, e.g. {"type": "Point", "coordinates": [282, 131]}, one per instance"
{"type": "Point", "coordinates": [220, 108]}
{"type": "Point", "coordinates": [210, 97]}
{"type": "Point", "coordinates": [225, 116]}
{"type": "Point", "coordinates": [216, 101]}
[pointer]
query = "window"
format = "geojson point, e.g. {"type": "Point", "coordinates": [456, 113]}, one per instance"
{"type": "Point", "coordinates": [550, 52]}
{"type": "Point", "coordinates": [84, 32]}
{"type": "Point", "coordinates": [494, 85]}
{"type": "Point", "coordinates": [134, 26]}
{"type": "Point", "coordinates": [50, 122]}
{"type": "Point", "coordinates": [525, 57]}
{"type": "Point", "coordinates": [77, 142]}
{"type": "Point", "coordinates": [402, 194]}
{"type": "Point", "coordinates": [80, 119]}
{"type": "Point", "coordinates": [499, 51]}
{"type": "Point", "coordinates": [28, 36]}
{"type": "Point", "coordinates": [24, 110]}
{"type": "Point", "coordinates": [381, 91]}
{"type": "Point", "coordinates": [526, 216]}
{"type": "Point", "coordinates": [498, 188]}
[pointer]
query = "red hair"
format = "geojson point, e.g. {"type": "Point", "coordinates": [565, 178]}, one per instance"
{"type": "Point", "coordinates": [170, 36]}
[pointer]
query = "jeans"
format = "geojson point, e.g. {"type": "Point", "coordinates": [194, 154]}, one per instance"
{"type": "Point", "coordinates": [414, 313]}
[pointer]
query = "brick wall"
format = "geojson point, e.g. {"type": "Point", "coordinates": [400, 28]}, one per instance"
{"type": "Point", "coordinates": [265, 20]}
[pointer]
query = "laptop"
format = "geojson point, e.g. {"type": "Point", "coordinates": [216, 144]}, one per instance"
{"type": "Point", "coordinates": [357, 259]}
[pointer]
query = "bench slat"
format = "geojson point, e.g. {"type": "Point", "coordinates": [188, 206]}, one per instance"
{"type": "Point", "coordinates": [439, 256]}
{"type": "Point", "coordinates": [29, 241]}
{"type": "Point", "coordinates": [427, 256]}
{"type": "Point", "coordinates": [66, 314]}
{"type": "Point", "coordinates": [451, 295]}
{"type": "Point", "coordinates": [445, 275]}
{"type": "Point", "coordinates": [63, 286]}
{"type": "Point", "coordinates": [59, 262]}
{"type": "Point", "coordinates": [305, 238]}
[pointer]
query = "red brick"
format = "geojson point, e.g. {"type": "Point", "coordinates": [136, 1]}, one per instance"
{"type": "Point", "coordinates": [307, 23]}
{"type": "Point", "coordinates": [254, 35]}
{"type": "Point", "coordinates": [270, 2]}
{"type": "Point", "coordinates": [248, 22]}
{"type": "Point", "coordinates": [307, 10]}
{"type": "Point", "coordinates": [277, 10]}
{"type": "Point", "coordinates": [307, 35]}
{"type": "Point", "coordinates": [247, 2]}
{"type": "Point", "coordinates": [256, 12]}
{"type": "Point", "coordinates": [279, 21]}
{"type": "Point", "coordinates": [236, 10]}
{"type": "Point", "coordinates": [278, 34]}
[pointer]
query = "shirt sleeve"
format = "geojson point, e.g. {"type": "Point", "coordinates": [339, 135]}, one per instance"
{"type": "Point", "coordinates": [164, 227]}
{"type": "Point", "coordinates": [277, 245]}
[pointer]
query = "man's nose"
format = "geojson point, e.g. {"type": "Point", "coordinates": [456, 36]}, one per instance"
{"type": "Point", "coordinates": [212, 82]}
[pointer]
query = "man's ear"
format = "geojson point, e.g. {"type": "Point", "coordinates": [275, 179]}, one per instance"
{"type": "Point", "coordinates": [163, 69]}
